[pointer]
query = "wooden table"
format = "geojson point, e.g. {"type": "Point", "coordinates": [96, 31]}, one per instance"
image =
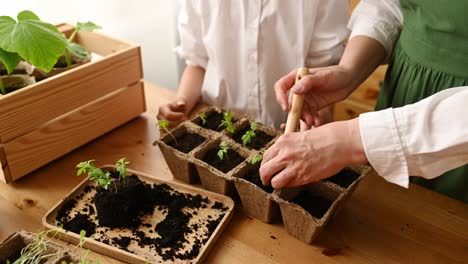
{"type": "Point", "coordinates": [381, 223]}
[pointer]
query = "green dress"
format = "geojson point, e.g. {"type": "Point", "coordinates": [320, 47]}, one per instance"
{"type": "Point", "coordinates": [431, 55]}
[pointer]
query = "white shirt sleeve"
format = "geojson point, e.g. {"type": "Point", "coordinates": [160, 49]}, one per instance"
{"type": "Point", "coordinates": [423, 139]}
{"type": "Point", "coordinates": [377, 19]}
{"type": "Point", "coordinates": [329, 34]}
{"type": "Point", "coordinates": [191, 46]}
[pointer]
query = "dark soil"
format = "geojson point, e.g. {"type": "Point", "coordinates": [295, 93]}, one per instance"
{"type": "Point", "coordinates": [213, 121]}
{"type": "Point", "coordinates": [315, 205]}
{"type": "Point", "coordinates": [172, 230]}
{"type": "Point", "coordinates": [80, 222]}
{"type": "Point", "coordinates": [229, 162]}
{"type": "Point", "coordinates": [344, 178]}
{"type": "Point", "coordinates": [120, 208]}
{"type": "Point", "coordinates": [253, 176]}
{"type": "Point", "coordinates": [259, 141]}
{"type": "Point", "coordinates": [187, 142]}
{"type": "Point", "coordinates": [12, 257]}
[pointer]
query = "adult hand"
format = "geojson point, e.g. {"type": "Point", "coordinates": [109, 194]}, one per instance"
{"type": "Point", "coordinates": [174, 112]}
{"type": "Point", "coordinates": [321, 88]}
{"type": "Point", "coordinates": [303, 157]}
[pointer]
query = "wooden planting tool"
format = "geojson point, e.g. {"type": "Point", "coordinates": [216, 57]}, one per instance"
{"type": "Point", "coordinates": [294, 114]}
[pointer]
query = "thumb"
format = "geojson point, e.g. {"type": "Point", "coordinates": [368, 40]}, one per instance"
{"type": "Point", "coordinates": [308, 83]}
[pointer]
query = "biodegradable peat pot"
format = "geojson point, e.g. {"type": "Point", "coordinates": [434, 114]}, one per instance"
{"type": "Point", "coordinates": [215, 174]}
{"type": "Point", "coordinates": [13, 82]}
{"type": "Point", "coordinates": [10, 249]}
{"type": "Point", "coordinates": [43, 121]}
{"type": "Point", "coordinates": [176, 223]}
{"type": "Point", "coordinates": [255, 197]}
{"type": "Point", "coordinates": [264, 136]}
{"type": "Point", "coordinates": [177, 154]}
{"type": "Point", "coordinates": [61, 66]}
{"type": "Point", "coordinates": [307, 209]}
{"type": "Point", "coordinates": [214, 117]}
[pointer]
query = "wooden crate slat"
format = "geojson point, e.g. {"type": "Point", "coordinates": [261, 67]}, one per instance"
{"type": "Point", "coordinates": [5, 175]}
{"type": "Point", "coordinates": [22, 111]}
{"type": "Point", "coordinates": [62, 135]}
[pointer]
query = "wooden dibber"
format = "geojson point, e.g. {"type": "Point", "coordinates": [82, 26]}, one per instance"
{"type": "Point", "coordinates": [294, 114]}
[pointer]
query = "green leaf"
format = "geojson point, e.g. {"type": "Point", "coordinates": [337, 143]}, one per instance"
{"type": "Point", "coordinates": [9, 59]}
{"type": "Point", "coordinates": [37, 42]}
{"type": "Point", "coordinates": [77, 49]}
{"type": "Point", "coordinates": [257, 158]}
{"type": "Point", "coordinates": [86, 26]}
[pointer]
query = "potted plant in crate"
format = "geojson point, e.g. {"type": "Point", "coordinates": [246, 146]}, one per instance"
{"type": "Point", "coordinates": [50, 45]}
{"type": "Point", "coordinates": [55, 107]}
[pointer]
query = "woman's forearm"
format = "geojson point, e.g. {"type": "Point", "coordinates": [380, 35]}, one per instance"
{"type": "Point", "coordinates": [361, 57]}
{"type": "Point", "coordinates": [190, 86]}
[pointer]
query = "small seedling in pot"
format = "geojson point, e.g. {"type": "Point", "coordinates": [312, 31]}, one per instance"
{"type": "Point", "coordinates": [74, 48]}
{"type": "Point", "coordinates": [100, 177]}
{"type": "Point", "coordinates": [164, 126]}
{"type": "Point", "coordinates": [223, 150]}
{"type": "Point", "coordinates": [121, 168]}
{"type": "Point", "coordinates": [256, 159]}
{"type": "Point", "coordinates": [250, 134]}
{"type": "Point", "coordinates": [202, 117]}
{"type": "Point", "coordinates": [227, 122]}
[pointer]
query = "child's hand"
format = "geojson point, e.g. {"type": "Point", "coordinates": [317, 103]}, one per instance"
{"type": "Point", "coordinates": [174, 112]}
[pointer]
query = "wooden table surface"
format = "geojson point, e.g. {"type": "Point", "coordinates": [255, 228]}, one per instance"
{"type": "Point", "coordinates": [380, 223]}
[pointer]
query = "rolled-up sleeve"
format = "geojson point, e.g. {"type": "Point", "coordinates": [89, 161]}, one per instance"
{"type": "Point", "coordinates": [330, 33]}
{"type": "Point", "coordinates": [424, 139]}
{"type": "Point", "coordinates": [377, 19]}
{"type": "Point", "coordinates": [191, 47]}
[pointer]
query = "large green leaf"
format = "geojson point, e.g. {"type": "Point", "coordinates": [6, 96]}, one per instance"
{"type": "Point", "coordinates": [86, 26]}
{"type": "Point", "coordinates": [10, 60]}
{"type": "Point", "coordinates": [39, 43]}
{"type": "Point", "coordinates": [77, 50]}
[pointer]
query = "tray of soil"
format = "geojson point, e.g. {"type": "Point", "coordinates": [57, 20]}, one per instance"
{"type": "Point", "coordinates": [176, 147]}
{"type": "Point", "coordinates": [26, 247]}
{"type": "Point", "coordinates": [218, 162]}
{"type": "Point", "coordinates": [217, 119]}
{"type": "Point", "coordinates": [254, 135]}
{"type": "Point", "coordinates": [141, 219]}
{"type": "Point", "coordinates": [256, 197]}
{"type": "Point", "coordinates": [307, 209]}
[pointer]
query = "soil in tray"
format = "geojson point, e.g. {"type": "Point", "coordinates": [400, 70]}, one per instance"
{"type": "Point", "coordinates": [259, 141]}
{"type": "Point", "coordinates": [344, 178]}
{"type": "Point", "coordinates": [254, 177]}
{"type": "Point", "coordinates": [229, 162]}
{"type": "Point", "coordinates": [187, 142]}
{"type": "Point", "coordinates": [315, 205]}
{"type": "Point", "coordinates": [171, 224]}
{"type": "Point", "coordinates": [213, 121]}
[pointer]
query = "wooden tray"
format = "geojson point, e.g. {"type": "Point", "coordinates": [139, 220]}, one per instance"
{"type": "Point", "coordinates": [142, 255]}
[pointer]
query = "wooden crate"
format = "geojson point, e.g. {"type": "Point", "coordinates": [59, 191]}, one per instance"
{"type": "Point", "coordinates": [46, 120]}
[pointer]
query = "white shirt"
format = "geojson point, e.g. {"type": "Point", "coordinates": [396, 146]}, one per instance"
{"type": "Point", "coordinates": [246, 46]}
{"type": "Point", "coordinates": [424, 139]}
{"type": "Point", "coordinates": [377, 19]}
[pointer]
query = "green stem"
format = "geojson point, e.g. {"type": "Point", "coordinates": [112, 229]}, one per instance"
{"type": "Point", "coordinates": [2, 87]}
{"type": "Point", "coordinates": [73, 35]}
{"type": "Point", "coordinates": [68, 59]}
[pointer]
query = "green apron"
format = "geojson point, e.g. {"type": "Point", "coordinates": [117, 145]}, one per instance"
{"type": "Point", "coordinates": [431, 55]}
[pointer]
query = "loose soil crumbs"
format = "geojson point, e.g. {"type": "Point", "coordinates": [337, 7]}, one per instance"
{"type": "Point", "coordinates": [171, 225]}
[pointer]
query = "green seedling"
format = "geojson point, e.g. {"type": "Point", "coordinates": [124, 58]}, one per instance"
{"type": "Point", "coordinates": [121, 167]}
{"type": "Point", "coordinates": [202, 117]}
{"type": "Point", "coordinates": [96, 174]}
{"type": "Point", "coordinates": [227, 122]}
{"type": "Point", "coordinates": [223, 150]}
{"type": "Point", "coordinates": [74, 48]}
{"type": "Point", "coordinates": [34, 253]}
{"type": "Point", "coordinates": [84, 259]}
{"type": "Point", "coordinates": [249, 134]}
{"type": "Point", "coordinates": [164, 126]}
{"type": "Point", "coordinates": [256, 159]}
